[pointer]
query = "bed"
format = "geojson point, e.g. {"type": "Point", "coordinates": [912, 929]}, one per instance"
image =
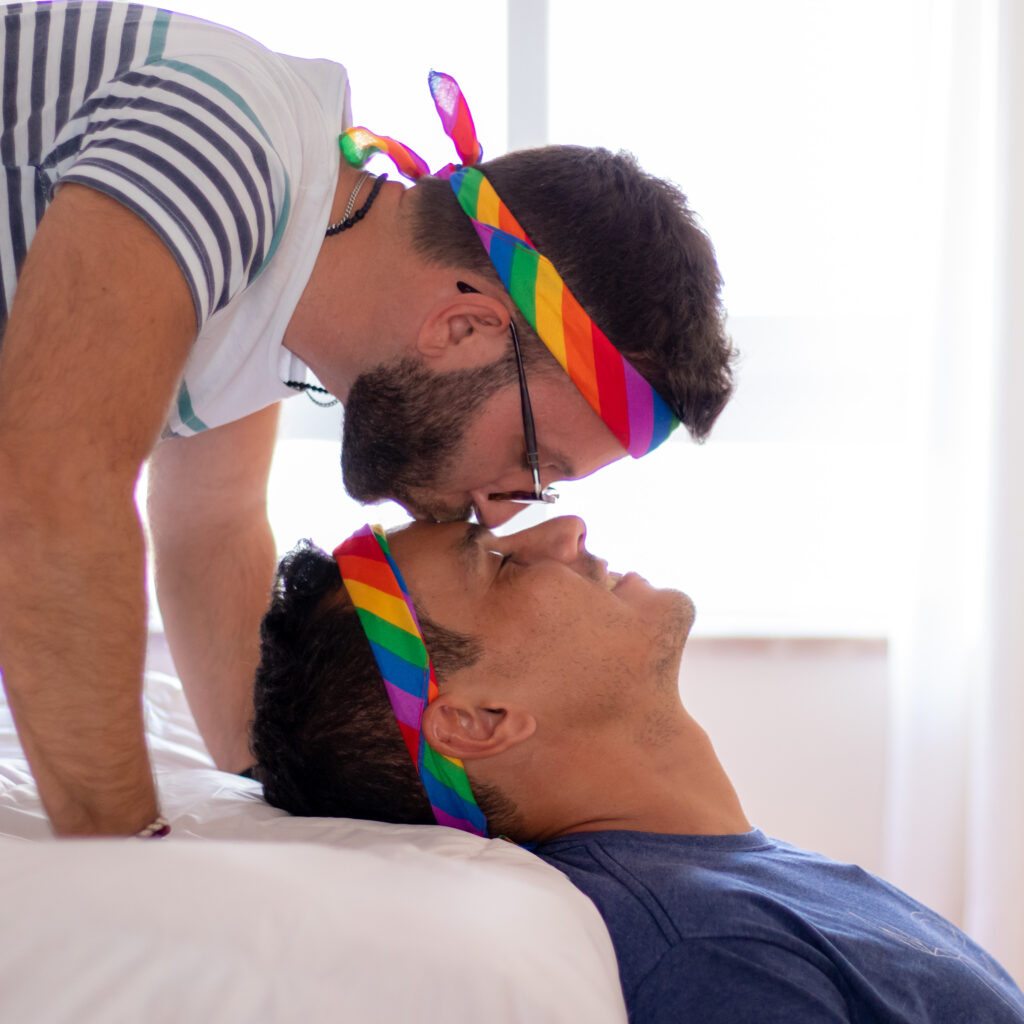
{"type": "Point", "coordinates": [247, 914]}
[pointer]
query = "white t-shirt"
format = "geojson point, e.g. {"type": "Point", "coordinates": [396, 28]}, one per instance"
{"type": "Point", "coordinates": [228, 150]}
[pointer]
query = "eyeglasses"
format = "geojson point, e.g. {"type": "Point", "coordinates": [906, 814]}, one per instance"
{"type": "Point", "coordinates": [539, 493]}
{"type": "Point", "coordinates": [548, 495]}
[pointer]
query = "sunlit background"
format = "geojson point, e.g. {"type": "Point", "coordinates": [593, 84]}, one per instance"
{"type": "Point", "coordinates": [793, 127]}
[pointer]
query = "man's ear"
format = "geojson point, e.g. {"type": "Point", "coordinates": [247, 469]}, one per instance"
{"type": "Point", "coordinates": [459, 728]}
{"type": "Point", "coordinates": [464, 331]}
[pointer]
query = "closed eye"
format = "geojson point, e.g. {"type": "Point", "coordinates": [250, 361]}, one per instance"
{"type": "Point", "coordinates": [505, 559]}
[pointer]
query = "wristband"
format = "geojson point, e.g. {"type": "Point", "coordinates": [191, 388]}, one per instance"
{"type": "Point", "coordinates": [156, 830]}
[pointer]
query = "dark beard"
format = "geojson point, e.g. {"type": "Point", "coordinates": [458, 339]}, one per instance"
{"type": "Point", "coordinates": [404, 426]}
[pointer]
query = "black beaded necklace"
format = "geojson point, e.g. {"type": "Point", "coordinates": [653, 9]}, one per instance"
{"type": "Point", "coordinates": [350, 219]}
{"type": "Point", "coordinates": [312, 390]}
{"type": "Point", "coordinates": [347, 221]}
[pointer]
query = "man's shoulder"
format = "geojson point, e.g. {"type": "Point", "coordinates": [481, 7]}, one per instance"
{"type": "Point", "coordinates": [654, 856]}
{"type": "Point", "coordinates": [659, 894]}
{"type": "Point", "coordinates": [188, 37]}
{"type": "Point", "coordinates": [692, 917]}
{"type": "Point", "coordinates": [655, 890]}
{"type": "Point", "coordinates": [683, 883]}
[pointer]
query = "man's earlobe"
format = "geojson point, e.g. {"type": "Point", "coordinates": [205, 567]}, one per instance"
{"type": "Point", "coordinates": [467, 732]}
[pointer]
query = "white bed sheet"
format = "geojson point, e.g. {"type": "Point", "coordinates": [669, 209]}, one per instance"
{"type": "Point", "coordinates": [283, 919]}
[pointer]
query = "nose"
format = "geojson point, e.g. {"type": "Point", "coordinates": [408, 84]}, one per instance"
{"type": "Point", "coordinates": [493, 513]}
{"type": "Point", "coordinates": [560, 539]}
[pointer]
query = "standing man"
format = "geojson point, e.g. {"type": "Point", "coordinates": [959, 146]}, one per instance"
{"type": "Point", "coordinates": [182, 242]}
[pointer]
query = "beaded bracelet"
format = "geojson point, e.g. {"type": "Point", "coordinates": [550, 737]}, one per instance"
{"type": "Point", "coordinates": [157, 830]}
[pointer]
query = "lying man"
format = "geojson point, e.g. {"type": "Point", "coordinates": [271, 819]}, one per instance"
{"type": "Point", "coordinates": [554, 719]}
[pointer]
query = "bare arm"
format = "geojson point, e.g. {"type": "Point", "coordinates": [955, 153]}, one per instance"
{"type": "Point", "coordinates": [215, 560]}
{"type": "Point", "coordinates": [98, 335]}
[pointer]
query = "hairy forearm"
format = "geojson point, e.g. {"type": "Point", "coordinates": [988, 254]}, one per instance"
{"type": "Point", "coordinates": [98, 335]}
{"type": "Point", "coordinates": [215, 560]}
{"type": "Point", "coordinates": [72, 646]}
{"type": "Point", "coordinates": [213, 591]}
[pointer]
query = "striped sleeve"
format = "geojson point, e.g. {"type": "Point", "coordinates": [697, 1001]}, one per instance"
{"type": "Point", "coordinates": [91, 95]}
{"type": "Point", "coordinates": [184, 151]}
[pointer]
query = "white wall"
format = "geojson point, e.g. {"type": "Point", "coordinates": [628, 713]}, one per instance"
{"type": "Point", "coordinates": [800, 726]}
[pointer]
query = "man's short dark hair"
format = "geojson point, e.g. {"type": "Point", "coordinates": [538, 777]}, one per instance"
{"type": "Point", "coordinates": [629, 248]}
{"type": "Point", "coordinates": [324, 735]}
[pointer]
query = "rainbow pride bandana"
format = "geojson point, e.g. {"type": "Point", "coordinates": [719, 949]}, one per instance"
{"type": "Point", "coordinates": [386, 613]}
{"type": "Point", "coordinates": [359, 144]}
{"type": "Point", "coordinates": [635, 413]}
{"type": "Point", "coordinates": [631, 409]}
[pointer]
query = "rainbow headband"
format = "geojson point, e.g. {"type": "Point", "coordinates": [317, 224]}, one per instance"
{"type": "Point", "coordinates": [635, 413]}
{"type": "Point", "coordinates": [386, 613]}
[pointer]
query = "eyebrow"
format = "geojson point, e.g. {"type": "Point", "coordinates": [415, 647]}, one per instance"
{"type": "Point", "coordinates": [563, 465]}
{"type": "Point", "coordinates": [469, 549]}
{"type": "Point", "coordinates": [559, 461]}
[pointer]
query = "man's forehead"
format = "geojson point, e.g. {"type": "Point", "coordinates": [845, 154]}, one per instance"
{"type": "Point", "coordinates": [457, 546]}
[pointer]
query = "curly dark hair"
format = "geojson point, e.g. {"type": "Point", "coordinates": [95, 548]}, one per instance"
{"type": "Point", "coordinates": [324, 735]}
{"type": "Point", "coordinates": [630, 249]}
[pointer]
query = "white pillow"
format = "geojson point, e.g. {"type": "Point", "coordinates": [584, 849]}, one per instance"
{"type": "Point", "coordinates": [284, 919]}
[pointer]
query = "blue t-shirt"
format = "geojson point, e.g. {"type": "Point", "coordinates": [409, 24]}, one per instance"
{"type": "Point", "coordinates": [744, 928]}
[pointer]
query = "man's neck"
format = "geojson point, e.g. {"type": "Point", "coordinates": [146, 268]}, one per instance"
{"type": "Point", "coordinates": [674, 784]}
{"type": "Point", "coordinates": [349, 317]}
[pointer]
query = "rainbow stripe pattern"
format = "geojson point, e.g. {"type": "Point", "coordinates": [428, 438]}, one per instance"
{"type": "Point", "coordinates": [387, 615]}
{"type": "Point", "coordinates": [635, 413]}
{"type": "Point", "coordinates": [359, 144]}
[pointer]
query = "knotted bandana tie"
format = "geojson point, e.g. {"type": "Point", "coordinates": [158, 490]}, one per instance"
{"type": "Point", "coordinates": [359, 144]}
{"type": "Point", "coordinates": [632, 410]}
{"type": "Point", "coordinates": [388, 618]}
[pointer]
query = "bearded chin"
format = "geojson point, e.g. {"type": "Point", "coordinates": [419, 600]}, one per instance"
{"type": "Point", "coordinates": [384, 456]}
{"type": "Point", "coordinates": [404, 425]}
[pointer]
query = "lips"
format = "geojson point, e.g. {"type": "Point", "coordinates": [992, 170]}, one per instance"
{"type": "Point", "coordinates": [611, 581]}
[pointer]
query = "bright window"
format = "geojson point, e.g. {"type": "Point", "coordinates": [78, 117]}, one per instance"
{"type": "Point", "coordinates": [793, 127]}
